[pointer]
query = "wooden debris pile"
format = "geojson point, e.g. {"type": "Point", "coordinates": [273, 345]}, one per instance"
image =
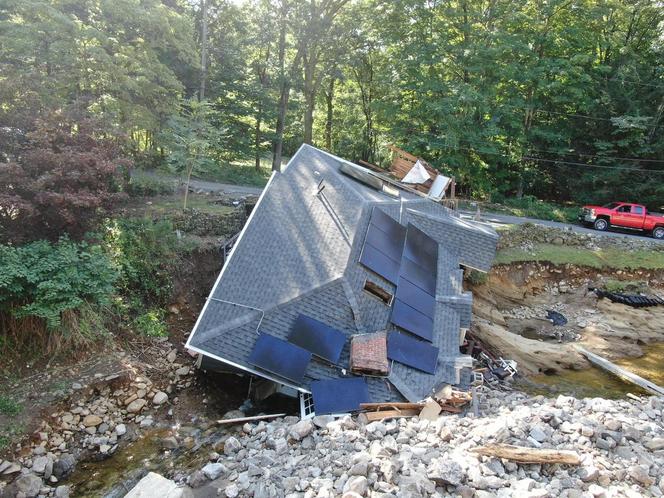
{"type": "Point", "coordinates": [446, 400]}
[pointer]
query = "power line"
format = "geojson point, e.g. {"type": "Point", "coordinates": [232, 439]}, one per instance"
{"type": "Point", "coordinates": [558, 162]}
{"type": "Point", "coordinates": [614, 158]}
{"type": "Point", "coordinates": [634, 82]}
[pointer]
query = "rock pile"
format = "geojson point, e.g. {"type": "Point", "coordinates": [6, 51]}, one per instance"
{"type": "Point", "coordinates": [524, 236]}
{"type": "Point", "coordinates": [621, 444]}
{"type": "Point", "coordinates": [92, 426]}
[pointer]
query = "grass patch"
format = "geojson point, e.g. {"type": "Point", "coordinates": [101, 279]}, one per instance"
{"type": "Point", "coordinates": [239, 174]}
{"type": "Point", "coordinates": [618, 259]}
{"type": "Point", "coordinates": [528, 207]}
{"type": "Point", "coordinates": [621, 286]}
{"type": "Point", "coordinates": [9, 407]}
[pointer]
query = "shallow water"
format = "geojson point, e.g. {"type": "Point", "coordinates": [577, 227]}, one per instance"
{"type": "Point", "coordinates": [595, 382]}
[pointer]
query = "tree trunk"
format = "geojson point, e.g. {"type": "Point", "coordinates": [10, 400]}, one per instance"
{"type": "Point", "coordinates": [329, 100]}
{"type": "Point", "coordinates": [186, 186]}
{"type": "Point", "coordinates": [257, 136]}
{"type": "Point", "coordinates": [204, 30]}
{"type": "Point", "coordinates": [277, 145]}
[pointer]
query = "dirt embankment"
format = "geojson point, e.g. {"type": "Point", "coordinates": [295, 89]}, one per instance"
{"type": "Point", "coordinates": [510, 312]}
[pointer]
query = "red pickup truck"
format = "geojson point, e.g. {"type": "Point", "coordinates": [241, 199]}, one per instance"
{"type": "Point", "coordinates": [623, 215]}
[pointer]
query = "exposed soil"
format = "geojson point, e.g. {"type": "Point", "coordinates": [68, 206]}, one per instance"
{"type": "Point", "coordinates": [510, 312]}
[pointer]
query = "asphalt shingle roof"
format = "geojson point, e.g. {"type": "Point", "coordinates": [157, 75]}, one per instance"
{"type": "Point", "coordinates": [299, 254]}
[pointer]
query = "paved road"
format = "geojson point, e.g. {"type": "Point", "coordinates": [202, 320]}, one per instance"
{"type": "Point", "coordinates": [497, 220]}
{"type": "Point", "coordinates": [203, 185]}
{"type": "Point", "coordinates": [494, 219]}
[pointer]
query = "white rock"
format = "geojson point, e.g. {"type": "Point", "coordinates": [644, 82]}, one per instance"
{"type": "Point", "coordinates": [213, 470]}
{"type": "Point", "coordinates": [159, 398]}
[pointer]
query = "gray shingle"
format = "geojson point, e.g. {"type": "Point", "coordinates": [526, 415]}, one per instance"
{"type": "Point", "coordinates": [300, 254]}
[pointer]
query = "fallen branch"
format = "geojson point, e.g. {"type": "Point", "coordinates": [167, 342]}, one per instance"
{"type": "Point", "coordinates": [249, 419]}
{"type": "Point", "coordinates": [523, 454]}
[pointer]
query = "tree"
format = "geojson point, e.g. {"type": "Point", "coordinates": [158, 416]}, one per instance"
{"type": "Point", "coordinates": [63, 180]}
{"type": "Point", "coordinates": [190, 139]}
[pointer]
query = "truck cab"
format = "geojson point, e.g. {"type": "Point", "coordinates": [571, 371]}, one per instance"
{"type": "Point", "coordinates": [623, 215]}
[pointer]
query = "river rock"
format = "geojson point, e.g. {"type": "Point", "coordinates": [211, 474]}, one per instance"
{"type": "Point", "coordinates": [443, 472]}
{"type": "Point", "coordinates": [159, 398]}
{"type": "Point", "coordinates": [231, 446]}
{"type": "Point", "coordinates": [213, 470]}
{"type": "Point", "coordinates": [301, 430]}
{"type": "Point", "coordinates": [27, 485]}
{"type": "Point", "coordinates": [136, 405]}
{"type": "Point", "coordinates": [92, 421]}
{"type": "Point", "coordinates": [64, 465]}
{"type": "Point", "coordinates": [655, 444]}
{"type": "Point", "coordinates": [120, 429]}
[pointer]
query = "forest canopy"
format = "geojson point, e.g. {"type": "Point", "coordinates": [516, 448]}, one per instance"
{"type": "Point", "coordinates": [558, 99]}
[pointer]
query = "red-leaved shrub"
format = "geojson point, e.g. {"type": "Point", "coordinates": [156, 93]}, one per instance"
{"type": "Point", "coordinates": [64, 178]}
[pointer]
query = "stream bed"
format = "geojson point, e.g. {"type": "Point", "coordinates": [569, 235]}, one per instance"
{"type": "Point", "coordinates": [595, 382]}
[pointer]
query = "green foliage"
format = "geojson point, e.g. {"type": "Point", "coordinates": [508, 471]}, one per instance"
{"type": "Point", "coordinates": [530, 207]}
{"type": "Point", "coordinates": [147, 186]}
{"type": "Point", "coordinates": [143, 251]}
{"type": "Point", "coordinates": [9, 406]}
{"type": "Point", "coordinates": [620, 286]}
{"type": "Point", "coordinates": [151, 323]}
{"type": "Point", "coordinates": [617, 259]}
{"type": "Point", "coordinates": [44, 280]}
{"type": "Point", "coordinates": [475, 277]}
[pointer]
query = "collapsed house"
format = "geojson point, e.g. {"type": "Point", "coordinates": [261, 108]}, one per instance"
{"type": "Point", "coordinates": [342, 285]}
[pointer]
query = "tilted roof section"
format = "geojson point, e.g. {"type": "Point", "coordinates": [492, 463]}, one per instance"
{"type": "Point", "coordinates": [299, 254]}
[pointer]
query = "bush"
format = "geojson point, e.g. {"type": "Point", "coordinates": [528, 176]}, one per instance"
{"type": "Point", "coordinates": [63, 179]}
{"type": "Point", "coordinates": [146, 186]}
{"type": "Point", "coordinates": [45, 280]}
{"type": "Point", "coordinates": [143, 251]}
{"type": "Point", "coordinates": [151, 323]}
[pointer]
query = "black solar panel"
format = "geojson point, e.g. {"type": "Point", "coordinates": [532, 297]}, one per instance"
{"type": "Point", "coordinates": [339, 395]}
{"type": "Point", "coordinates": [383, 245]}
{"type": "Point", "coordinates": [412, 352]}
{"type": "Point", "coordinates": [414, 273]}
{"type": "Point", "coordinates": [378, 262]}
{"type": "Point", "coordinates": [387, 224]}
{"type": "Point", "coordinates": [415, 297]}
{"type": "Point", "coordinates": [390, 246]}
{"type": "Point", "coordinates": [420, 248]}
{"type": "Point", "coordinates": [322, 340]}
{"type": "Point", "coordinates": [412, 320]}
{"type": "Point", "coordinates": [280, 357]}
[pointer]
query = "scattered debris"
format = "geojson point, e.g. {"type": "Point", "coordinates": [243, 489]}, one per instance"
{"type": "Point", "coordinates": [240, 420]}
{"type": "Point", "coordinates": [558, 319]}
{"type": "Point", "coordinates": [633, 300]}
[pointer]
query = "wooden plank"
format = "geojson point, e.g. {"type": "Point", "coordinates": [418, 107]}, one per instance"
{"type": "Point", "coordinates": [523, 454]}
{"type": "Point", "coordinates": [373, 416]}
{"type": "Point", "coordinates": [625, 375]}
{"type": "Point", "coordinates": [450, 409]}
{"type": "Point", "coordinates": [371, 166]}
{"type": "Point", "coordinates": [249, 419]}
{"type": "Point", "coordinates": [400, 406]}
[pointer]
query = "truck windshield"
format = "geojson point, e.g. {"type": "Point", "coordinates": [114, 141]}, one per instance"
{"type": "Point", "coordinates": [611, 205]}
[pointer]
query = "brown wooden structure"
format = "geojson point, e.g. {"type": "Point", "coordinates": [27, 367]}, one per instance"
{"type": "Point", "coordinates": [402, 163]}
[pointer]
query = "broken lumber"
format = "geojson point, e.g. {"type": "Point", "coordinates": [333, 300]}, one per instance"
{"type": "Point", "coordinates": [523, 454]}
{"type": "Point", "coordinates": [625, 375]}
{"type": "Point", "coordinates": [373, 416]}
{"type": "Point", "coordinates": [249, 419]}
{"type": "Point", "coordinates": [400, 406]}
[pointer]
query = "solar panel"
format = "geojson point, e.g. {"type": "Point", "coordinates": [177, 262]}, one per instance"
{"type": "Point", "coordinates": [280, 357]}
{"type": "Point", "coordinates": [383, 245]}
{"type": "Point", "coordinates": [420, 248]}
{"type": "Point", "coordinates": [412, 320]}
{"type": "Point", "coordinates": [386, 223]}
{"type": "Point", "coordinates": [339, 395]}
{"type": "Point", "coordinates": [379, 263]}
{"type": "Point", "coordinates": [415, 297]}
{"type": "Point", "coordinates": [322, 340]}
{"type": "Point", "coordinates": [390, 246]}
{"type": "Point", "coordinates": [412, 352]}
{"type": "Point", "coordinates": [414, 273]}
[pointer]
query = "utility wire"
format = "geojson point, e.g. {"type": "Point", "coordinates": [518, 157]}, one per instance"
{"type": "Point", "coordinates": [561, 163]}
{"type": "Point", "coordinates": [577, 154]}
